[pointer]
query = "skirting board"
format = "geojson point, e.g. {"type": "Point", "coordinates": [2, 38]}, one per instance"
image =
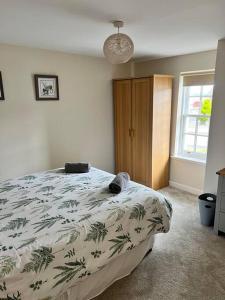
{"type": "Point", "coordinates": [185, 188]}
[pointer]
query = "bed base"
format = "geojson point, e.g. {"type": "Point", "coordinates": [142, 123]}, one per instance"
{"type": "Point", "coordinates": [118, 268]}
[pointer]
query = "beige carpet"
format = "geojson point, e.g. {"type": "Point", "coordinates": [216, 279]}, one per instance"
{"type": "Point", "coordinates": [186, 263]}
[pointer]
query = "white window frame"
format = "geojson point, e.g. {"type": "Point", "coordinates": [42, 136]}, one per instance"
{"type": "Point", "coordinates": [180, 132]}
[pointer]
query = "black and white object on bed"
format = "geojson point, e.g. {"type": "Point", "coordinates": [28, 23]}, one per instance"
{"type": "Point", "coordinates": [58, 229]}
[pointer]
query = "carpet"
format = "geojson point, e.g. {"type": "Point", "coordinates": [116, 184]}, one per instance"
{"type": "Point", "coordinates": [186, 263]}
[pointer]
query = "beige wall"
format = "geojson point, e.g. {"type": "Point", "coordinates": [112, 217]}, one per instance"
{"type": "Point", "coordinates": [216, 147]}
{"type": "Point", "coordinates": [41, 135]}
{"type": "Point", "coordinates": [186, 174]}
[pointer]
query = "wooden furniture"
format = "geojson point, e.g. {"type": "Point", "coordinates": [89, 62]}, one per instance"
{"type": "Point", "coordinates": [142, 110]}
{"type": "Point", "coordinates": [219, 223]}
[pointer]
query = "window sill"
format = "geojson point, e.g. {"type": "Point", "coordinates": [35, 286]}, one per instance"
{"type": "Point", "coordinates": [192, 160]}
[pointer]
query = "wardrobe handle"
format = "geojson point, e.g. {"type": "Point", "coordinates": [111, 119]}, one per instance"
{"type": "Point", "coordinates": [130, 132]}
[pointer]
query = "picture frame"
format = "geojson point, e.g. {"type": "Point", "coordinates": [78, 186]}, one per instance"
{"type": "Point", "coordinates": [46, 87]}
{"type": "Point", "coordinates": [2, 96]}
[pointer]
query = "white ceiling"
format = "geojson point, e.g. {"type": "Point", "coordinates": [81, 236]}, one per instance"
{"type": "Point", "coordinates": [158, 27]}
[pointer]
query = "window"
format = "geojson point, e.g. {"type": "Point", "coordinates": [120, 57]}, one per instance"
{"type": "Point", "coordinates": [196, 106]}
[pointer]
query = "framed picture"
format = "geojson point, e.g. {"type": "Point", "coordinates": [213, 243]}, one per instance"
{"type": "Point", "coordinates": [2, 97]}
{"type": "Point", "coordinates": [46, 87]}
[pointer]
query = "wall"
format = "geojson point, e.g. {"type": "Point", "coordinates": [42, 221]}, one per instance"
{"type": "Point", "coordinates": [216, 147]}
{"type": "Point", "coordinates": [184, 174]}
{"type": "Point", "coordinates": [41, 135]}
{"type": "Point", "coordinates": [38, 135]}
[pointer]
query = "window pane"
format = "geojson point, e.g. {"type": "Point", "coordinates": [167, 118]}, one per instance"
{"type": "Point", "coordinates": [189, 141]}
{"type": "Point", "coordinates": [195, 90]}
{"type": "Point", "coordinates": [207, 90]}
{"type": "Point", "coordinates": [194, 105]}
{"type": "Point", "coordinates": [201, 145]}
{"type": "Point", "coordinates": [206, 106]}
{"type": "Point", "coordinates": [203, 126]}
{"type": "Point", "coordinates": [190, 125]}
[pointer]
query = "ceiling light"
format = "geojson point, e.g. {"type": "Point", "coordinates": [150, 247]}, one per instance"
{"type": "Point", "coordinates": [118, 48]}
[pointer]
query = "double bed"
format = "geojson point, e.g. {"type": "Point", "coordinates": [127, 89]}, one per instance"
{"type": "Point", "coordinates": [64, 236]}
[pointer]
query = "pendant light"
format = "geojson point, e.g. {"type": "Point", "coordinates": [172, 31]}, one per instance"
{"type": "Point", "coordinates": [118, 48]}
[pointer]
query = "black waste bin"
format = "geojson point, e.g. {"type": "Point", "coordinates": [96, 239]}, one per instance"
{"type": "Point", "coordinates": [207, 205]}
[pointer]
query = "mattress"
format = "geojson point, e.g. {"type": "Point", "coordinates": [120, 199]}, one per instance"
{"type": "Point", "coordinates": [58, 229]}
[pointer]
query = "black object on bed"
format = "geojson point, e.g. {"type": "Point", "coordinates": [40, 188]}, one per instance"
{"type": "Point", "coordinates": [119, 183]}
{"type": "Point", "coordinates": [77, 167]}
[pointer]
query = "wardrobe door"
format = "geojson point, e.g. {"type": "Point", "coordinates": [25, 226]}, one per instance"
{"type": "Point", "coordinates": [122, 122]}
{"type": "Point", "coordinates": [161, 131]}
{"type": "Point", "coordinates": [142, 130]}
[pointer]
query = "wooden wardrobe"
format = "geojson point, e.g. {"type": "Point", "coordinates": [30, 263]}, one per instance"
{"type": "Point", "coordinates": [142, 111]}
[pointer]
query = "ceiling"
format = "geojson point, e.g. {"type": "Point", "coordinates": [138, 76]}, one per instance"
{"type": "Point", "coordinates": [159, 28]}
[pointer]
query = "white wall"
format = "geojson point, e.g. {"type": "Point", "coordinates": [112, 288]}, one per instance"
{"type": "Point", "coordinates": [185, 174]}
{"type": "Point", "coordinates": [216, 147]}
{"type": "Point", "coordinates": [37, 135]}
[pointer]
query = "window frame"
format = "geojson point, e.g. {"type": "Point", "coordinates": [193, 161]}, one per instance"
{"type": "Point", "coordinates": [181, 118]}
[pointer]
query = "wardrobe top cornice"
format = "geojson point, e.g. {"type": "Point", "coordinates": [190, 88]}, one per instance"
{"type": "Point", "coordinates": [140, 77]}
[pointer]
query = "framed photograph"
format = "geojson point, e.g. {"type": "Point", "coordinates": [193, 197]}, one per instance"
{"type": "Point", "coordinates": [2, 97]}
{"type": "Point", "coordinates": [46, 87]}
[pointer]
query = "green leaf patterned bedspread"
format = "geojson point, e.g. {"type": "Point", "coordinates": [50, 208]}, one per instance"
{"type": "Point", "coordinates": [57, 229]}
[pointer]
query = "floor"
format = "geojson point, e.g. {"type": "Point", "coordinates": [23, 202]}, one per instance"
{"type": "Point", "coordinates": [186, 263]}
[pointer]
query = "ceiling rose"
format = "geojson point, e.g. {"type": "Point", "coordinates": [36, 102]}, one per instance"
{"type": "Point", "coordinates": [118, 48]}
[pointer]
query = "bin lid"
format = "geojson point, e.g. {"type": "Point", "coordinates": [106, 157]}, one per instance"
{"type": "Point", "coordinates": [207, 197]}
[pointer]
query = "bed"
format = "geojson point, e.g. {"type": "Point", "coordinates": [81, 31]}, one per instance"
{"type": "Point", "coordinates": [61, 233]}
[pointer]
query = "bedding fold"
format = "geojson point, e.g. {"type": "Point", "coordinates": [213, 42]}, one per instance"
{"type": "Point", "coordinates": [119, 183]}
{"type": "Point", "coordinates": [77, 167]}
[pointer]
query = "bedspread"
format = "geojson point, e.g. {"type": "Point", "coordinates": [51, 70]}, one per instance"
{"type": "Point", "coordinates": [57, 229]}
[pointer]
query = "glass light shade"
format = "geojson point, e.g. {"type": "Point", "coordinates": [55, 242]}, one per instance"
{"type": "Point", "coordinates": [118, 48]}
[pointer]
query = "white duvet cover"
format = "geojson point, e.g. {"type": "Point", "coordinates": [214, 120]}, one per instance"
{"type": "Point", "coordinates": [56, 229]}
